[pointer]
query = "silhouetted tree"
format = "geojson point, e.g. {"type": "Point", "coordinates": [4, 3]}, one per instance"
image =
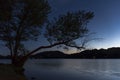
{"type": "Point", "coordinates": [69, 27]}
{"type": "Point", "coordinates": [22, 20]}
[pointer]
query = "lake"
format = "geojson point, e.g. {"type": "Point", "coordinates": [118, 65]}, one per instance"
{"type": "Point", "coordinates": [73, 69]}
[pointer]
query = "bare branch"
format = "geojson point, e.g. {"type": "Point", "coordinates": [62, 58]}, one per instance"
{"type": "Point", "coordinates": [49, 46]}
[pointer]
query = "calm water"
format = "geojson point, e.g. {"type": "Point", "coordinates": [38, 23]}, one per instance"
{"type": "Point", "coordinates": [73, 69]}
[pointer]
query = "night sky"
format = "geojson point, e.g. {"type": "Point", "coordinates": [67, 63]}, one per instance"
{"type": "Point", "coordinates": [106, 22]}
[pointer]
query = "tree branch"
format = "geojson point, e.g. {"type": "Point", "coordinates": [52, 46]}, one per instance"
{"type": "Point", "coordinates": [24, 58]}
{"type": "Point", "coordinates": [49, 46]}
{"type": "Point", "coordinates": [18, 33]}
{"type": "Point", "coordinates": [75, 46]}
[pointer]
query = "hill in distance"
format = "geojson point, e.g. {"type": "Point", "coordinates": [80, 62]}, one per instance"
{"type": "Point", "coordinates": [110, 53]}
{"type": "Point", "coordinates": [50, 54]}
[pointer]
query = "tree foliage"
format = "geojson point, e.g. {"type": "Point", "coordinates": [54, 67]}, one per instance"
{"type": "Point", "coordinates": [69, 27]}
{"type": "Point", "coordinates": [22, 20]}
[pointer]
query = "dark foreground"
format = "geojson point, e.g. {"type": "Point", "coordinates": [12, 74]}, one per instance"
{"type": "Point", "coordinates": [7, 72]}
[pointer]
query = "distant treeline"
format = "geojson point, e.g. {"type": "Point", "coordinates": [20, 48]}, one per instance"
{"type": "Point", "coordinates": [109, 53]}
{"type": "Point", "coordinates": [98, 54]}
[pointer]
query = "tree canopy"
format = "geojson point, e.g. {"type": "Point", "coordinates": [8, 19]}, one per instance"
{"type": "Point", "coordinates": [22, 20]}
{"type": "Point", "coordinates": [69, 27]}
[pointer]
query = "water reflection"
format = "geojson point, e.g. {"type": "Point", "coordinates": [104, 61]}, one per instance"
{"type": "Point", "coordinates": [100, 65]}
{"type": "Point", "coordinates": [73, 69]}
{"type": "Point", "coordinates": [53, 63]}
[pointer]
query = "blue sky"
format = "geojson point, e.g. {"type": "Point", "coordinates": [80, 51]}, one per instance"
{"type": "Point", "coordinates": [106, 23]}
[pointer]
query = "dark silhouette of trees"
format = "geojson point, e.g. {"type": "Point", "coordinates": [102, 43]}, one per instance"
{"type": "Point", "coordinates": [110, 53]}
{"type": "Point", "coordinates": [22, 20]}
{"type": "Point", "coordinates": [69, 27]}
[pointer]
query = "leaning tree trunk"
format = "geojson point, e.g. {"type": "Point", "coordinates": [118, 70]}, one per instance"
{"type": "Point", "coordinates": [20, 61]}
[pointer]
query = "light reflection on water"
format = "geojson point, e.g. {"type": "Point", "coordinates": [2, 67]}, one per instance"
{"type": "Point", "coordinates": [73, 69]}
